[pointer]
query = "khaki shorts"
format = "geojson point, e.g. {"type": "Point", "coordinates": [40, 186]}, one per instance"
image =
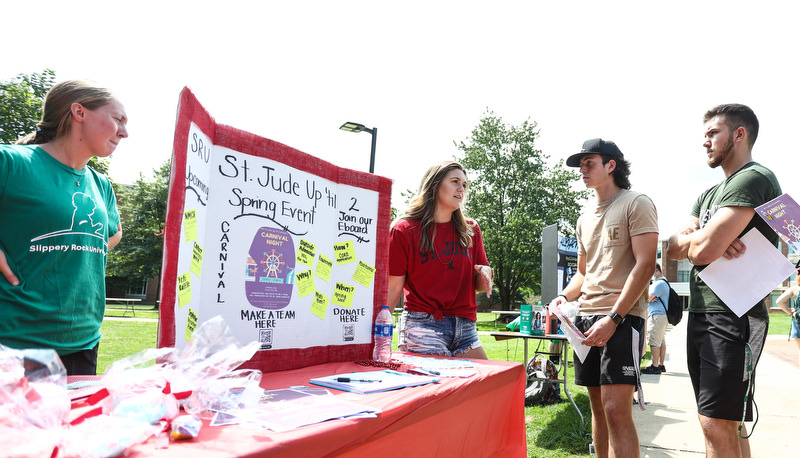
{"type": "Point", "coordinates": [656, 328]}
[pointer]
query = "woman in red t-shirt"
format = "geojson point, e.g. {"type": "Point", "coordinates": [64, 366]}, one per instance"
{"type": "Point", "coordinates": [437, 259]}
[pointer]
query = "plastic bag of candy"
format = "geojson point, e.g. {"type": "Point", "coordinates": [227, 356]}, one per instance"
{"type": "Point", "coordinates": [105, 436]}
{"type": "Point", "coordinates": [185, 427]}
{"type": "Point", "coordinates": [235, 390]}
{"type": "Point", "coordinates": [33, 401]}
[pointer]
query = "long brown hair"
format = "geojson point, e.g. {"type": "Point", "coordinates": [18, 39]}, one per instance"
{"type": "Point", "coordinates": [56, 112]}
{"type": "Point", "coordinates": [423, 207]}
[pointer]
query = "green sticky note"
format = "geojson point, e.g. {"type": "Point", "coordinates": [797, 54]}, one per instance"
{"type": "Point", "coordinates": [306, 253]}
{"type": "Point", "coordinates": [364, 273]}
{"type": "Point", "coordinates": [320, 305]}
{"type": "Point", "coordinates": [191, 325]}
{"type": "Point", "coordinates": [190, 225]}
{"type": "Point", "coordinates": [324, 265]}
{"type": "Point", "coordinates": [345, 252]}
{"type": "Point", "coordinates": [197, 259]}
{"type": "Point", "coordinates": [343, 295]}
{"type": "Point", "coordinates": [305, 283]}
{"type": "Point", "coordinates": [184, 289]}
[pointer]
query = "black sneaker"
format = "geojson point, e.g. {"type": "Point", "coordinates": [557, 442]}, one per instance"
{"type": "Point", "coordinates": [662, 368]}
{"type": "Point", "coordinates": [651, 370]}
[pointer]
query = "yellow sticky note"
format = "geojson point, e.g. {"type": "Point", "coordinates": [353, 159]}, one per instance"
{"type": "Point", "coordinates": [306, 252]}
{"type": "Point", "coordinates": [190, 225]}
{"type": "Point", "coordinates": [324, 266]}
{"type": "Point", "coordinates": [364, 273]}
{"type": "Point", "coordinates": [197, 259]}
{"type": "Point", "coordinates": [305, 283]}
{"type": "Point", "coordinates": [343, 295]}
{"type": "Point", "coordinates": [191, 325]}
{"type": "Point", "coordinates": [320, 305]}
{"type": "Point", "coordinates": [345, 252]}
{"type": "Point", "coordinates": [184, 289]}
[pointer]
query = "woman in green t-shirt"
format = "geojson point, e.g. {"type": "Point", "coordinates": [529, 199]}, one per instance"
{"type": "Point", "coordinates": [59, 221]}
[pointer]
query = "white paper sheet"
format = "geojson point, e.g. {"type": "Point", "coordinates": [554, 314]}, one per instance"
{"type": "Point", "coordinates": [742, 282]}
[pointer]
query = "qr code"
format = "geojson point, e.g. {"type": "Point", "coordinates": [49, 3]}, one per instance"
{"type": "Point", "coordinates": [265, 337]}
{"type": "Point", "coordinates": [349, 332]}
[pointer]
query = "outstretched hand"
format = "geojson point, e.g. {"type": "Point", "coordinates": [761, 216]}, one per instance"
{"type": "Point", "coordinates": [6, 270]}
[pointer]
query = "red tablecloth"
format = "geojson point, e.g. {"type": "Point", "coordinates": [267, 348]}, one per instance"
{"type": "Point", "coordinates": [479, 416]}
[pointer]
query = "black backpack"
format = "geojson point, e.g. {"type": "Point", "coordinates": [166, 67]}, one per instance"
{"type": "Point", "coordinates": [541, 391]}
{"type": "Point", "coordinates": [675, 306]}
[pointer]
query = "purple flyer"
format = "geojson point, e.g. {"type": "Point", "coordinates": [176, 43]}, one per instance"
{"type": "Point", "coordinates": [269, 270]}
{"type": "Point", "coordinates": [783, 215]}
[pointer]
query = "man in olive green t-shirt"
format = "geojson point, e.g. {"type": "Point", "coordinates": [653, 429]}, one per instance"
{"type": "Point", "coordinates": [719, 343]}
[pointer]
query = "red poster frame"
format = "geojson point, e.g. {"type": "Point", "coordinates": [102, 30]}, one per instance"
{"type": "Point", "coordinates": [191, 111]}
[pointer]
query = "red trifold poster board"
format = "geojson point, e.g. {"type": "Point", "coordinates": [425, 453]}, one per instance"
{"type": "Point", "coordinates": [291, 250]}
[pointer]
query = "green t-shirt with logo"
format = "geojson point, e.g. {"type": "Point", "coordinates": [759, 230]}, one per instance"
{"type": "Point", "coordinates": [55, 222]}
{"type": "Point", "coordinates": [751, 186]}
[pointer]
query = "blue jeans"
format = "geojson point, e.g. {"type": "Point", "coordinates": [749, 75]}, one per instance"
{"type": "Point", "coordinates": [422, 333]}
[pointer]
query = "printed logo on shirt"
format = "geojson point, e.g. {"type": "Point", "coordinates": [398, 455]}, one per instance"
{"type": "Point", "coordinates": [706, 216]}
{"type": "Point", "coordinates": [612, 233]}
{"type": "Point", "coordinates": [82, 224]}
{"type": "Point", "coordinates": [450, 250]}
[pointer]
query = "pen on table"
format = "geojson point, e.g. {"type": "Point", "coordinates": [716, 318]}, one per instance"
{"type": "Point", "coordinates": [348, 379]}
{"type": "Point", "coordinates": [420, 370]}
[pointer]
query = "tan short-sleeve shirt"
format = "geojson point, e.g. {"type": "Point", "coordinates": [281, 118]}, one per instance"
{"type": "Point", "coordinates": [604, 237]}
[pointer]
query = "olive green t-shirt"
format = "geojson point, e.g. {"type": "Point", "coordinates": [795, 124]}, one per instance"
{"type": "Point", "coordinates": [751, 186]}
{"type": "Point", "coordinates": [55, 222]}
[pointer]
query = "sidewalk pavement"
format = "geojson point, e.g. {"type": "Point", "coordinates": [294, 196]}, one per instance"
{"type": "Point", "coordinates": [669, 427]}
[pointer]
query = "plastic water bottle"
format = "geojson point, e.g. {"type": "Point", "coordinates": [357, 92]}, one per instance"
{"type": "Point", "coordinates": [383, 336]}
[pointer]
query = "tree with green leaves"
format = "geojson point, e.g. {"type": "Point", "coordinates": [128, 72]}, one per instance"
{"type": "Point", "coordinates": [514, 194]}
{"type": "Point", "coordinates": [143, 209]}
{"type": "Point", "coordinates": [21, 100]}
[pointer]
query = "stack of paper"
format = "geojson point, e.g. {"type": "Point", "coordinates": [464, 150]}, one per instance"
{"type": "Point", "coordinates": [372, 382]}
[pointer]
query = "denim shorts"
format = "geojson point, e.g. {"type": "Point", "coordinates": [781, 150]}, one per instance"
{"type": "Point", "coordinates": [422, 333]}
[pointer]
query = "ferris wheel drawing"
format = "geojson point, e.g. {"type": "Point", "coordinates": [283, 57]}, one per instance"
{"type": "Point", "coordinates": [272, 264]}
{"type": "Point", "coordinates": [792, 229]}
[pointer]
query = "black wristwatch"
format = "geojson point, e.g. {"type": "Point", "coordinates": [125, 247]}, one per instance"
{"type": "Point", "coordinates": [616, 317]}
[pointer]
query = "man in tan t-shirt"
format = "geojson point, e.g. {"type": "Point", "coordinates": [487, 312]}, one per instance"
{"type": "Point", "coordinates": [616, 254]}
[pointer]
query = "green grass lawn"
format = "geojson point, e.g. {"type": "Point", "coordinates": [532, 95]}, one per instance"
{"type": "Point", "coordinates": [779, 324]}
{"type": "Point", "coordinates": [123, 338]}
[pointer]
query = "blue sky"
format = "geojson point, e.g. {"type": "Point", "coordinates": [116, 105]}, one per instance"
{"type": "Point", "coordinates": [639, 73]}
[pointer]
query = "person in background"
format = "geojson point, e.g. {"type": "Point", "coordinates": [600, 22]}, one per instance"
{"type": "Point", "coordinates": [59, 219]}
{"type": "Point", "coordinates": [657, 323]}
{"type": "Point", "coordinates": [792, 292]}
{"type": "Point", "coordinates": [437, 260]}
{"type": "Point", "coordinates": [616, 254]}
{"type": "Point", "coordinates": [721, 346]}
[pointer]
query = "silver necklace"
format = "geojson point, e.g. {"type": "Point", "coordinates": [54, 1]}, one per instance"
{"type": "Point", "coordinates": [77, 177]}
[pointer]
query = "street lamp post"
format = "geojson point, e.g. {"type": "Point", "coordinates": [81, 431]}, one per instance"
{"type": "Point", "coordinates": [356, 127]}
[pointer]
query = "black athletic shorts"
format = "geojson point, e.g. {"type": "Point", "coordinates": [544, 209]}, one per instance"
{"type": "Point", "coordinates": [614, 363]}
{"type": "Point", "coordinates": [717, 356]}
{"type": "Point", "coordinates": [83, 362]}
